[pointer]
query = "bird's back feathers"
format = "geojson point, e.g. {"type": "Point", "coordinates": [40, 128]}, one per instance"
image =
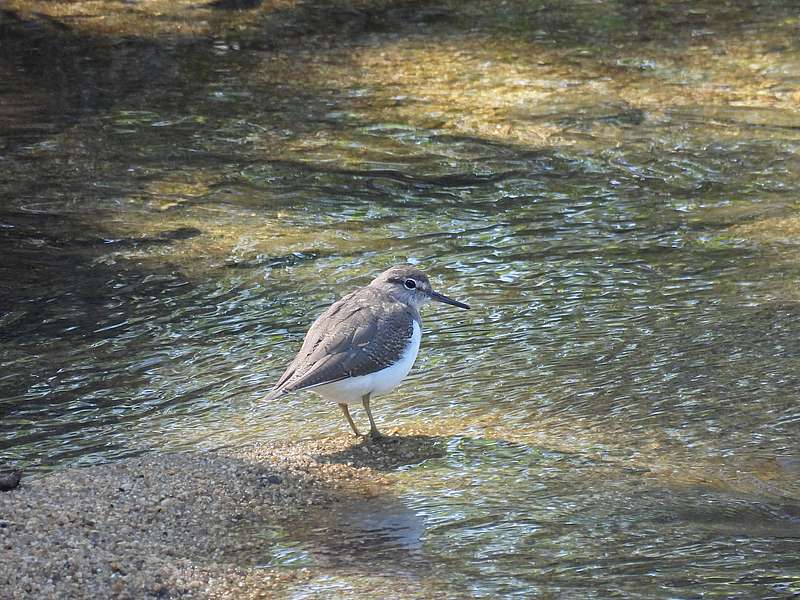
{"type": "Point", "coordinates": [363, 332]}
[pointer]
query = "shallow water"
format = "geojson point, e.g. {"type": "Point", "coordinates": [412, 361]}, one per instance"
{"type": "Point", "coordinates": [612, 186]}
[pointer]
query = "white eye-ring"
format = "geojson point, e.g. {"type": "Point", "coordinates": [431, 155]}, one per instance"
{"type": "Point", "coordinates": [410, 284]}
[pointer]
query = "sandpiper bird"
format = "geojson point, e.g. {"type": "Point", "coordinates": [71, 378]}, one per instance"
{"type": "Point", "coordinates": [364, 344]}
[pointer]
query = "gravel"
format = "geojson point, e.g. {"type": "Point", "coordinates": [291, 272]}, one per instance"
{"type": "Point", "coordinates": [181, 525]}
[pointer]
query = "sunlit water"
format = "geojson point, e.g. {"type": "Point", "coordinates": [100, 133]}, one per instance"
{"type": "Point", "coordinates": [618, 412]}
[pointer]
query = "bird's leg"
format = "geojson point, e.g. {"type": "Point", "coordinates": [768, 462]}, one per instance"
{"type": "Point", "coordinates": [374, 434]}
{"type": "Point", "coordinates": [346, 412]}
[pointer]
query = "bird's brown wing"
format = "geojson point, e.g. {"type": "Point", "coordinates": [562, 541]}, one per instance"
{"type": "Point", "coordinates": [364, 332]}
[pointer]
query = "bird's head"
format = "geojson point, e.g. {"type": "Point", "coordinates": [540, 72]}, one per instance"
{"type": "Point", "coordinates": [408, 284]}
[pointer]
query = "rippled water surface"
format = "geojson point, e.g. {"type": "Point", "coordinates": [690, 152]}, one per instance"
{"type": "Point", "coordinates": [613, 186]}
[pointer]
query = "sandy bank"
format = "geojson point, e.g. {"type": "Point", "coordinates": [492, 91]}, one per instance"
{"type": "Point", "coordinates": [181, 525]}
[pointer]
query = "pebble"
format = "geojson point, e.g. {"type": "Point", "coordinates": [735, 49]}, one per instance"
{"type": "Point", "coordinates": [10, 480]}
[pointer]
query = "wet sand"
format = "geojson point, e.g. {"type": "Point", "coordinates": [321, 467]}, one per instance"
{"type": "Point", "coordinates": [186, 525]}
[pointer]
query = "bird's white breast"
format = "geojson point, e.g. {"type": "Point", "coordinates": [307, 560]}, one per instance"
{"type": "Point", "coordinates": [380, 382]}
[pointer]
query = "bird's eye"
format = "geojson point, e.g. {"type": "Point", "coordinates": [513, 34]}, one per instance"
{"type": "Point", "coordinates": [410, 284]}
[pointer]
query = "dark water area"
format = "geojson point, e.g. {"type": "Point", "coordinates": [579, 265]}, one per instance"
{"type": "Point", "coordinates": [613, 186]}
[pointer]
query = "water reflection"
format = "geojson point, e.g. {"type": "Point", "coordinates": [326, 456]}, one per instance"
{"type": "Point", "coordinates": [610, 184]}
{"type": "Point", "coordinates": [369, 531]}
{"type": "Point", "coordinates": [609, 532]}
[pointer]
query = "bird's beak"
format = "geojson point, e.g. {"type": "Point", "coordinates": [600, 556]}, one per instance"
{"type": "Point", "coordinates": [442, 298]}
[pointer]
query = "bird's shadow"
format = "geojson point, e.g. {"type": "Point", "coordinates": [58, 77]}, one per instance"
{"type": "Point", "coordinates": [388, 453]}
{"type": "Point", "coordinates": [232, 4]}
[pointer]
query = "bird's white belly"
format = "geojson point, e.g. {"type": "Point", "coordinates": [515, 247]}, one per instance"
{"type": "Point", "coordinates": [354, 388]}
